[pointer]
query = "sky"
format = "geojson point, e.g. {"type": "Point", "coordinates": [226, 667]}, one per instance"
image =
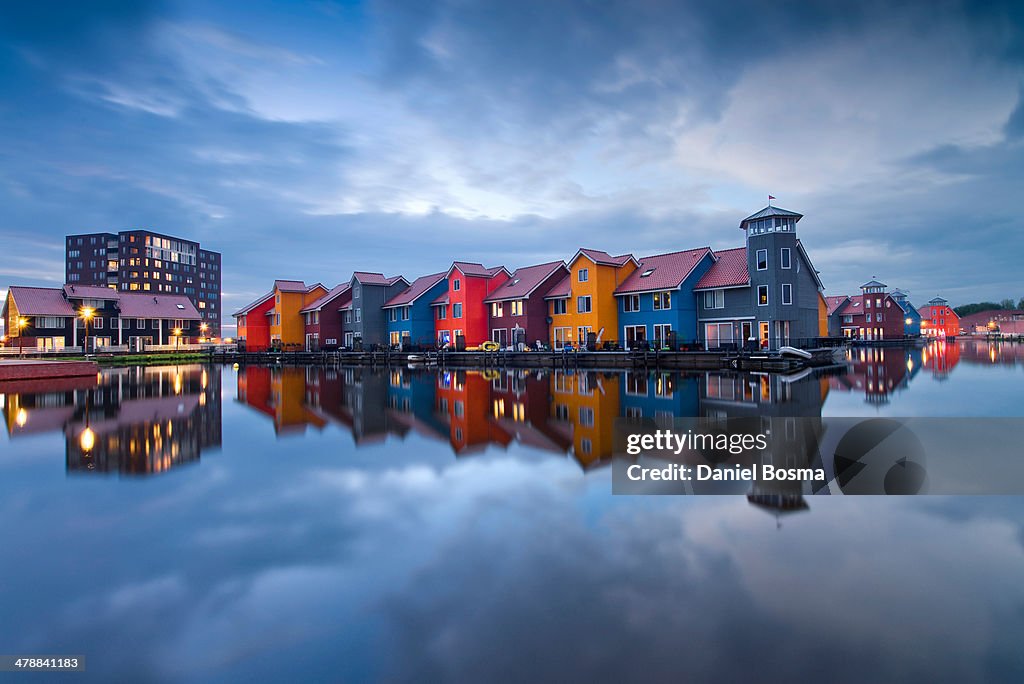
{"type": "Point", "coordinates": [310, 140]}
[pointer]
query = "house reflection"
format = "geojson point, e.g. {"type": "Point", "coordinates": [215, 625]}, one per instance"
{"type": "Point", "coordinates": [562, 412]}
{"type": "Point", "coordinates": [991, 351]}
{"type": "Point", "coordinates": [135, 421]}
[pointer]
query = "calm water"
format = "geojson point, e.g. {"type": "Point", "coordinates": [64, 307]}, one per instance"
{"type": "Point", "coordinates": [316, 524]}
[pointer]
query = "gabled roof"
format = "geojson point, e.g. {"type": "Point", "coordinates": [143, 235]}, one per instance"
{"type": "Point", "coordinates": [134, 305]}
{"type": "Point", "coordinates": [473, 269]}
{"type": "Point", "coordinates": [291, 286]}
{"type": "Point", "coordinates": [40, 301]}
{"type": "Point", "coordinates": [872, 283]}
{"type": "Point", "coordinates": [90, 292]}
{"type": "Point", "coordinates": [326, 299]}
{"type": "Point", "coordinates": [835, 303]}
{"type": "Point", "coordinates": [524, 281]}
{"type": "Point", "coordinates": [603, 258]}
{"type": "Point", "coordinates": [663, 271]}
{"type": "Point", "coordinates": [729, 270]}
{"type": "Point", "coordinates": [560, 290]}
{"type": "Point", "coordinates": [419, 287]}
{"type": "Point", "coordinates": [938, 301]}
{"type": "Point", "coordinates": [252, 305]}
{"type": "Point", "coordinates": [440, 299]}
{"type": "Point", "coordinates": [771, 211]}
{"type": "Point", "coordinates": [367, 278]}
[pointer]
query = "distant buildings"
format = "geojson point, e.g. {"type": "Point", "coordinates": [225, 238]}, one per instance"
{"type": "Point", "coordinates": [147, 262]}
{"type": "Point", "coordinates": [939, 320]}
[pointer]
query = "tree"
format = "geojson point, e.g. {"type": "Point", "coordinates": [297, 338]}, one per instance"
{"type": "Point", "coordinates": [1006, 304]}
{"type": "Point", "coordinates": [1020, 304]}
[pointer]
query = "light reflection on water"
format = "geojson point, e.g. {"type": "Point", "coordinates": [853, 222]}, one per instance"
{"type": "Point", "coordinates": [350, 524]}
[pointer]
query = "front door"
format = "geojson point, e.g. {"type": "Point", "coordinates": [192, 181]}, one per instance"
{"type": "Point", "coordinates": [763, 329]}
{"type": "Point", "coordinates": [500, 335]}
{"type": "Point", "coordinates": [747, 332]}
{"type": "Point", "coordinates": [635, 334]}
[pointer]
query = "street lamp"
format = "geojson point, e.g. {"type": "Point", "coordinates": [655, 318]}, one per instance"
{"type": "Point", "coordinates": [203, 327]}
{"type": "Point", "coordinates": [177, 337]}
{"type": "Point", "coordinates": [86, 312]}
{"type": "Point", "coordinates": [22, 324]}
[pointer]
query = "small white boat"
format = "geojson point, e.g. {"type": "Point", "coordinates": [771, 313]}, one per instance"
{"type": "Point", "coordinates": [798, 353]}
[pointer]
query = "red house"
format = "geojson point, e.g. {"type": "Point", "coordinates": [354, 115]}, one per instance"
{"type": "Point", "coordinates": [939, 320]}
{"type": "Point", "coordinates": [517, 312]}
{"type": "Point", "coordinates": [322, 318]}
{"type": "Point", "coordinates": [461, 309]}
{"type": "Point", "coordinates": [254, 324]}
{"type": "Point", "coordinates": [871, 315]}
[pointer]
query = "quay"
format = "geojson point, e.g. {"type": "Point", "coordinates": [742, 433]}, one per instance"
{"type": "Point", "coordinates": [23, 371]}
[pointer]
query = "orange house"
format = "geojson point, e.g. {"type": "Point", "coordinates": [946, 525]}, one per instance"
{"type": "Point", "coordinates": [587, 404]}
{"type": "Point", "coordinates": [288, 326]}
{"type": "Point", "coordinates": [584, 301]}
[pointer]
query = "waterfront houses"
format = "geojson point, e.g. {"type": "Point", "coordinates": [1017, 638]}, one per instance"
{"type": "Point", "coordinates": [273, 320]}
{"type": "Point", "coordinates": [364, 321]}
{"type": "Point", "coordinates": [911, 316]}
{"type": "Point", "coordinates": [656, 304]}
{"type": "Point", "coordinates": [938, 319]}
{"type": "Point", "coordinates": [322, 318]}
{"type": "Point", "coordinates": [765, 293]}
{"type": "Point", "coordinates": [517, 312]}
{"type": "Point", "coordinates": [460, 311]}
{"type": "Point", "coordinates": [582, 306]}
{"type": "Point", "coordinates": [253, 324]}
{"type": "Point", "coordinates": [410, 313]}
{"type": "Point", "coordinates": [874, 314]}
{"type": "Point", "coordinates": [51, 319]}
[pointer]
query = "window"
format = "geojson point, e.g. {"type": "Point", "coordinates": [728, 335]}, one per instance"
{"type": "Point", "coordinates": [787, 293]}
{"type": "Point", "coordinates": [456, 285]}
{"type": "Point", "coordinates": [661, 334]}
{"type": "Point", "coordinates": [457, 310]}
{"type": "Point", "coordinates": [586, 416]}
{"type": "Point", "coordinates": [497, 310]}
{"type": "Point", "coordinates": [867, 302]}
{"type": "Point", "coordinates": [583, 304]}
{"type": "Point", "coordinates": [442, 313]}
{"type": "Point", "coordinates": [762, 260]}
{"type": "Point", "coordinates": [359, 315]}
{"type": "Point", "coordinates": [558, 306]}
{"type": "Point", "coordinates": [647, 273]}
{"type": "Point", "coordinates": [785, 258]}
{"type": "Point", "coordinates": [762, 295]}
{"type": "Point", "coordinates": [405, 313]}
{"type": "Point", "coordinates": [49, 322]}
{"type": "Point", "coordinates": [631, 303]}
{"type": "Point", "coordinates": [392, 315]}
{"type": "Point", "coordinates": [869, 318]}
{"type": "Point", "coordinates": [662, 300]}
{"type": "Point", "coordinates": [156, 325]}
{"type": "Point", "coordinates": [516, 308]}
{"type": "Point", "coordinates": [583, 275]}
{"type": "Point", "coordinates": [140, 324]}
{"type": "Point", "coordinates": [714, 299]}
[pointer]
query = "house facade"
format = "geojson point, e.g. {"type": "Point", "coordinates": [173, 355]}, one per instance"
{"type": "Point", "coordinates": [584, 303]}
{"type": "Point", "coordinates": [94, 318]}
{"type": "Point", "coordinates": [460, 310]}
{"type": "Point", "coordinates": [911, 316]}
{"type": "Point", "coordinates": [767, 290]}
{"type": "Point", "coordinates": [874, 314]}
{"type": "Point", "coordinates": [939, 320]}
{"type": "Point", "coordinates": [656, 303]}
{"type": "Point", "coordinates": [410, 313]}
{"type": "Point", "coordinates": [517, 313]}
{"type": "Point", "coordinates": [322, 319]}
{"type": "Point", "coordinates": [253, 324]}
{"type": "Point", "coordinates": [364, 322]}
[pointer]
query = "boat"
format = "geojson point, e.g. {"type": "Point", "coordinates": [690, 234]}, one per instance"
{"type": "Point", "coordinates": [798, 353]}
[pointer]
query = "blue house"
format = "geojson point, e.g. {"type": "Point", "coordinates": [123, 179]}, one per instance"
{"type": "Point", "coordinates": [656, 303]}
{"type": "Point", "coordinates": [410, 317]}
{"type": "Point", "coordinates": [659, 395]}
{"type": "Point", "coordinates": [911, 316]}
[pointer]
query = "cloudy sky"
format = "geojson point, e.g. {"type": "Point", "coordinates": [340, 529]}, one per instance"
{"type": "Point", "coordinates": [310, 140]}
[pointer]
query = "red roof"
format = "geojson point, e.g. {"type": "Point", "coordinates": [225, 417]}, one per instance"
{"type": "Point", "coordinates": [663, 271]}
{"type": "Point", "coordinates": [252, 305]}
{"type": "Point", "coordinates": [563, 288]}
{"type": "Point", "coordinates": [833, 303]}
{"type": "Point", "coordinates": [730, 270]}
{"type": "Point", "coordinates": [134, 305]}
{"type": "Point", "coordinates": [290, 286]}
{"type": "Point", "coordinates": [41, 301]}
{"type": "Point", "coordinates": [440, 299]}
{"type": "Point", "coordinates": [415, 291]}
{"type": "Point", "coordinates": [524, 281]}
{"type": "Point", "coordinates": [599, 257]}
{"type": "Point", "coordinates": [471, 268]}
{"type": "Point", "coordinates": [90, 292]}
{"type": "Point", "coordinates": [318, 304]}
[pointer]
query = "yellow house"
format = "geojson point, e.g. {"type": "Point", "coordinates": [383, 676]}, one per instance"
{"type": "Point", "coordinates": [587, 404]}
{"type": "Point", "coordinates": [584, 301]}
{"type": "Point", "coordinates": [287, 325]}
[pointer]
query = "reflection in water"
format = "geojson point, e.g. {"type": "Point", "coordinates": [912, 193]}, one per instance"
{"type": "Point", "coordinates": [881, 372]}
{"type": "Point", "coordinates": [135, 421]}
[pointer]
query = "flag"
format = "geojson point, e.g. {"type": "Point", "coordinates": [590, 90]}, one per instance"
{"type": "Point", "coordinates": [771, 197]}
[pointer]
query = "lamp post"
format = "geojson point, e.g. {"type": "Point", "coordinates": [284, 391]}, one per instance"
{"type": "Point", "coordinates": [177, 337]}
{"type": "Point", "coordinates": [22, 324]}
{"type": "Point", "coordinates": [86, 312]}
{"type": "Point", "coordinates": [203, 327]}
{"type": "Point", "coordinates": [87, 440]}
